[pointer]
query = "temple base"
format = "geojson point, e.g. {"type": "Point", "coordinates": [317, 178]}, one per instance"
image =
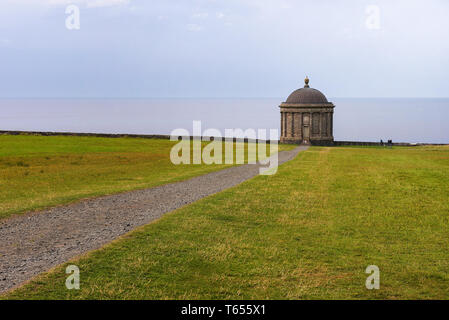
{"type": "Point", "coordinates": [313, 142]}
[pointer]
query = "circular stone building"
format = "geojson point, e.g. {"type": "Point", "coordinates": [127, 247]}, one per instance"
{"type": "Point", "coordinates": [307, 117]}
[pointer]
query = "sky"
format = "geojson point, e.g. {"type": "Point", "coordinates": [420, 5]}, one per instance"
{"type": "Point", "coordinates": [223, 48]}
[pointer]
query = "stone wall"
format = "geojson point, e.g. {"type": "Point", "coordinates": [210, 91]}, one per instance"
{"type": "Point", "coordinates": [163, 136]}
{"type": "Point", "coordinates": [120, 135]}
{"type": "Point", "coordinates": [362, 143]}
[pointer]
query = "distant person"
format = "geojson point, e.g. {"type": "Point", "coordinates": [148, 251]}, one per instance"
{"type": "Point", "coordinates": [381, 142]}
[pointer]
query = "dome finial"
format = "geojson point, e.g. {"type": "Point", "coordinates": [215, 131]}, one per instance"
{"type": "Point", "coordinates": [306, 81]}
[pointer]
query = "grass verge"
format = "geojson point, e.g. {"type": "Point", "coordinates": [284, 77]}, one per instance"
{"type": "Point", "coordinates": [308, 232]}
{"type": "Point", "coordinates": [37, 172]}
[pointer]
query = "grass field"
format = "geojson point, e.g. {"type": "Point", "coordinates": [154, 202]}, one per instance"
{"type": "Point", "coordinates": [307, 232]}
{"type": "Point", "coordinates": [38, 172]}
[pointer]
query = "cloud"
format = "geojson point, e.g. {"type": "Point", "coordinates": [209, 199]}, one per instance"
{"type": "Point", "coordinates": [106, 3]}
{"type": "Point", "coordinates": [84, 3]}
{"type": "Point", "coordinates": [194, 27]}
{"type": "Point", "coordinates": [4, 42]}
{"type": "Point", "coordinates": [200, 15]}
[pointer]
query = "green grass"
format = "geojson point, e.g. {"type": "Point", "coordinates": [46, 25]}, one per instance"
{"type": "Point", "coordinates": [307, 232]}
{"type": "Point", "coordinates": [37, 172]}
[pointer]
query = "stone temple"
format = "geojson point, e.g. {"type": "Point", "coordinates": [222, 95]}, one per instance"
{"type": "Point", "coordinates": [307, 117]}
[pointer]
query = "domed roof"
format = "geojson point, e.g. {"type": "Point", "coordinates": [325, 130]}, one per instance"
{"type": "Point", "coordinates": [306, 95]}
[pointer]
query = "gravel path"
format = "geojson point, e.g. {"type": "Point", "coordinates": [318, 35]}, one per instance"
{"type": "Point", "coordinates": [33, 243]}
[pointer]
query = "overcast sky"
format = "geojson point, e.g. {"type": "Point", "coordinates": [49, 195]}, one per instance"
{"type": "Point", "coordinates": [224, 48]}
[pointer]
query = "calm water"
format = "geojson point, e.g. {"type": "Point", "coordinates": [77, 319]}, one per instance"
{"type": "Point", "coordinates": [403, 120]}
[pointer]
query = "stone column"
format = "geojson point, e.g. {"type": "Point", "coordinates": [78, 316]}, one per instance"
{"type": "Point", "coordinates": [324, 124]}
{"type": "Point", "coordinates": [298, 121]}
{"type": "Point", "coordinates": [310, 126]}
{"type": "Point", "coordinates": [285, 124]}
{"type": "Point", "coordinates": [322, 134]}
{"type": "Point", "coordinates": [293, 124]}
{"type": "Point", "coordinates": [290, 124]}
{"type": "Point", "coordinates": [282, 124]}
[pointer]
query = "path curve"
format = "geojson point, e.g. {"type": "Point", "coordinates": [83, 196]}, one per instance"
{"type": "Point", "coordinates": [35, 242]}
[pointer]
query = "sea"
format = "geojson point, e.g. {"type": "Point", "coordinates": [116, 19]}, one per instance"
{"type": "Point", "coordinates": [423, 120]}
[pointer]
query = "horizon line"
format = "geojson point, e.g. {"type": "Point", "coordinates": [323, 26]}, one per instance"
{"type": "Point", "coordinates": [199, 97]}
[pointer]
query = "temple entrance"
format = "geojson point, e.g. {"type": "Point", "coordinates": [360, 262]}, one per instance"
{"type": "Point", "coordinates": [305, 135]}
